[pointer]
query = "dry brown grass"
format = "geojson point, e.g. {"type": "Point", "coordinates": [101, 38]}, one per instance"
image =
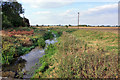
{"type": "Point", "coordinates": [105, 29]}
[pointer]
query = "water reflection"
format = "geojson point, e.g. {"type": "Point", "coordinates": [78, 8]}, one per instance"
{"type": "Point", "coordinates": [32, 58]}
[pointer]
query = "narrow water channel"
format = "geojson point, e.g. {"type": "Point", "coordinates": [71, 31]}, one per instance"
{"type": "Point", "coordinates": [29, 62]}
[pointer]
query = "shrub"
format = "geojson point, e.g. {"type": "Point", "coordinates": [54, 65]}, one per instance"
{"type": "Point", "coordinates": [69, 25]}
{"type": "Point", "coordinates": [50, 49]}
{"type": "Point", "coordinates": [37, 25]}
{"type": "Point", "coordinates": [34, 41]}
{"type": "Point", "coordinates": [57, 33]}
{"type": "Point", "coordinates": [41, 42]}
{"type": "Point", "coordinates": [66, 26]}
{"type": "Point", "coordinates": [48, 35]}
{"type": "Point", "coordinates": [7, 52]}
{"type": "Point", "coordinates": [20, 50]}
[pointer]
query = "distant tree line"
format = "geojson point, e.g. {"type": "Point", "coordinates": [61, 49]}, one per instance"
{"type": "Point", "coordinates": [69, 25]}
{"type": "Point", "coordinates": [11, 15]}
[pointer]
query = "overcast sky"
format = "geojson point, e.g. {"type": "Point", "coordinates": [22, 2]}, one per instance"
{"type": "Point", "coordinates": [94, 12]}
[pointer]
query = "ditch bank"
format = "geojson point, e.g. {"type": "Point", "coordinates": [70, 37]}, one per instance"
{"type": "Point", "coordinates": [24, 66]}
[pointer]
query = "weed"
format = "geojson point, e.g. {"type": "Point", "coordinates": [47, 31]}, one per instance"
{"type": "Point", "coordinates": [76, 58]}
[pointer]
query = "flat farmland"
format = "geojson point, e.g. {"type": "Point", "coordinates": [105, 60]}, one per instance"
{"type": "Point", "coordinates": [106, 29]}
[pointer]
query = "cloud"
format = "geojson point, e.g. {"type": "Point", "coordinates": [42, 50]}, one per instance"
{"type": "Point", "coordinates": [110, 8]}
{"type": "Point", "coordinates": [56, 3]}
{"type": "Point", "coordinates": [103, 19]}
{"type": "Point", "coordinates": [46, 3]}
{"type": "Point", "coordinates": [42, 12]}
{"type": "Point", "coordinates": [101, 15]}
{"type": "Point", "coordinates": [29, 1]}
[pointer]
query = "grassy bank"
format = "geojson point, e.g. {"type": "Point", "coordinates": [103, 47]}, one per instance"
{"type": "Point", "coordinates": [81, 54]}
{"type": "Point", "coordinates": [19, 41]}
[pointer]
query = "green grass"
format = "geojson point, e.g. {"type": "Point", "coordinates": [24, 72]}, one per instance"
{"type": "Point", "coordinates": [49, 52]}
{"type": "Point", "coordinates": [83, 54]}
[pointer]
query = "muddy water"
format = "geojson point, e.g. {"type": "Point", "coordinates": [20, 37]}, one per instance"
{"type": "Point", "coordinates": [28, 62]}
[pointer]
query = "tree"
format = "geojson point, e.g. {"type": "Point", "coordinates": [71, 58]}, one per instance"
{"type": "Point", "coordinates": [69, 25]}
{"type": "Point", "coordinates": [66, 26]}
{"type": "Point", "coordinates": [11, 14]}
{"type": "Point", "coordinates": [6, 22]}
{"type": "Point", "coordinates": [26, 22]}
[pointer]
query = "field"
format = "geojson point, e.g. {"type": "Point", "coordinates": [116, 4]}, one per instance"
{"type": "Point", "coordinates": [79, 53]}
{"type": "Point", "coordinates": [82, 53]}
{"type": "Point", "coordinates": [106, 29]}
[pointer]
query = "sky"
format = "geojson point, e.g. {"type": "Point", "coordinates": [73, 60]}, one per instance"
{"type": "Point", "coordinates": [64, 12]}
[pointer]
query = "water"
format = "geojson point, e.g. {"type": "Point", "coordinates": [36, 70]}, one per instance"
{"type": "Point", "coordinates": [31, 59]}
{"type": "Point", "coordinates": [29, 62]}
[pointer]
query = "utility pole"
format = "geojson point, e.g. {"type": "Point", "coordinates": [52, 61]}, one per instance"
{"type": "Point", "coordinates": [78, 19]}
